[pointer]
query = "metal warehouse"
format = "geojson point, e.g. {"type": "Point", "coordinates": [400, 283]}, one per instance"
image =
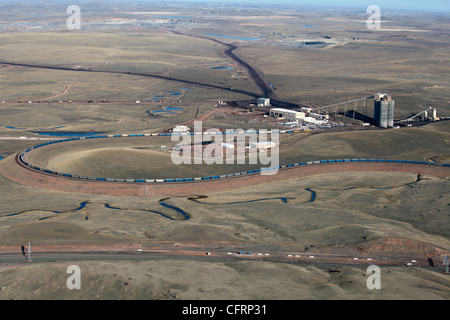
{"type": "Point", "coordinates": [290, 115]}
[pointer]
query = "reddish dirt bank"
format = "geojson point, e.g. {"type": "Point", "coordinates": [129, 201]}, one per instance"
{"type": "Point", "coordinates": [396, 245]}
{"type": "Point", "coordinates": [12, 170]}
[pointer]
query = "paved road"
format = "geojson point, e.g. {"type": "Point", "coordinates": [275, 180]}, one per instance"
{"type": "Point", "coordinates": [204, 254]}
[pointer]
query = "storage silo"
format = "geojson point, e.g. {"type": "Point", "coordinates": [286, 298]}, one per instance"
{"type": "Point", "coordinates": [384, 110]}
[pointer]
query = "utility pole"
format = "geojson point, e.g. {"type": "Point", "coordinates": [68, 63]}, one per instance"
{"type": "Point", "coordinates": [29, 252]}
{"type": "Point", "coordinates": [367, 114]}
{"type": "Point", "coordinates": [446, 264]}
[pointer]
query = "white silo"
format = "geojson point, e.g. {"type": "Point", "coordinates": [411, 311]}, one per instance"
{"type": "Point", "coordinates": [434, 114]}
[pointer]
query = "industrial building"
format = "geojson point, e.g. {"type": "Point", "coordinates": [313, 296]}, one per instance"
{"type": "Point", "coordinates": [263, 102]}
{"type": "Point", "coordinates": [298, 116]}
{"type": "Point", "coordinates": [227, 145]}
{"type": "Point", "coordinates": [434, 116]}
{"type": "Point", "coordinates": [181, 129]}
{"type": "Point", "coordinates": [290, 115]}
{"type": "Point", "coordinates": [263, 145]}
{"type": "Point", "coordinates": [383, 110]}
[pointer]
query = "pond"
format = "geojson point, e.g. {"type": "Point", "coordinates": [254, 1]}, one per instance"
{"type": "Point", "coordinates": [159, 111]}
{"type": "Point", "coordinates": [11, 127]}
{"type": "Point", "coordinates": [68, 134]}
{"type": "Point", "coordinates": [221, 68]}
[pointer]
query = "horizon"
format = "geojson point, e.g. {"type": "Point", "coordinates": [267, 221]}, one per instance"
{"type": "Point", "coordinates": [442, 6]}
{"type": "Point", "coordinates": [399, 5]}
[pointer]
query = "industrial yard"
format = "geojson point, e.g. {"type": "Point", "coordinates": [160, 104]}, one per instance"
{"type": "Point", "coordinates": [91, 120]}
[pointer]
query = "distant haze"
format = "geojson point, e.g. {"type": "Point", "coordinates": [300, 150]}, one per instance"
{"type": "Point", "coordinates": [405, 5]}
{"type": "Point", "coordinates": [442, 6]}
